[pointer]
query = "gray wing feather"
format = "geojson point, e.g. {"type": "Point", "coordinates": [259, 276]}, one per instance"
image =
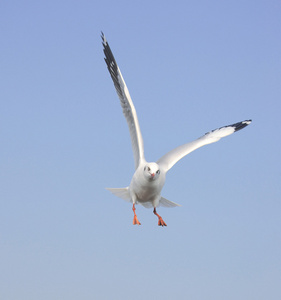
{"type": "Point", "coordinates": [168, 160]}
{"type": "Point", "coordinates": [126, 103]}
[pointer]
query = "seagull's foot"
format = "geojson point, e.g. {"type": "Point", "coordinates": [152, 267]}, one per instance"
{"type": "Point", "coordinates": [160, 220]}
{"type": "Point", "coordinates": [135, 221]}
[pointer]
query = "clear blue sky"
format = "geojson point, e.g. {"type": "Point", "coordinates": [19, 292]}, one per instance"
{"type": "Point", "coordinates": [190, 66]}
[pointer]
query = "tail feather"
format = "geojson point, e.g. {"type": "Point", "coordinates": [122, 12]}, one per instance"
{"type": "Point", "coordinates": [167, 203]}
{"type": "Point", "coordinates": [122, 193]}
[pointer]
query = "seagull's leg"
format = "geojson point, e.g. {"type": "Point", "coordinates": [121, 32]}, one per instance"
{"type": "Point", "coordinates": [160, 220]}
{"type": "Point", "coordinates": [135, 221]}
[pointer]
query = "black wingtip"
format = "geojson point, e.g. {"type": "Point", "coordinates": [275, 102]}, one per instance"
{"type": "Point", "coordinates": [104, 42]}
{"type": "Point", "coordinates": [241, 125]}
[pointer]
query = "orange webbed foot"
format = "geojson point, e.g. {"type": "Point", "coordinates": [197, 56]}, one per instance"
{"type": "Point", "coordinates": [135, 221]}
{"type": "Point", "coordinates": [160, 220]}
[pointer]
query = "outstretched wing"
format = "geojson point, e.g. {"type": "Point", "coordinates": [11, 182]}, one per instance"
{"type": "Point", "coordinates": [168, 160]}
{"type": "Point", "coordinates": [126, 103]}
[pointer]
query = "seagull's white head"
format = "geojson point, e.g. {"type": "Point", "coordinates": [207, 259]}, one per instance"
{"type": "Point", "coordinates": [151, 171]}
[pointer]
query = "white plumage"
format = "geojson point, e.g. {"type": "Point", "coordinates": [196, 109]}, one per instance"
{"type": "Point", "coordinates": [149, 178]}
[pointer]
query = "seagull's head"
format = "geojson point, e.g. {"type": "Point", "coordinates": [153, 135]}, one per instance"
{"type": "Point", "coordinates": [151, 171]}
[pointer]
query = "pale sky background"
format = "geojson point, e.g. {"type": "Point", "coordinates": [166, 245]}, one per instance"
{"type": "Point", "coordinates": [190, 66]}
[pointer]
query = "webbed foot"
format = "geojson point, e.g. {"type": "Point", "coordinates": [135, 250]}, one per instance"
{"type": "Point", "coordinates": [160, 220]}
{"type": "Point", "coordinates": [135, 221]}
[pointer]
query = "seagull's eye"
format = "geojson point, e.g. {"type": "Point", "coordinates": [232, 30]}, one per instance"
{"type": "Point", "coordinates": [158, 172]}
{"type": "Point", "coordinates": [148, 169]}
{"type": "Point", "coordinates": [144, 168]}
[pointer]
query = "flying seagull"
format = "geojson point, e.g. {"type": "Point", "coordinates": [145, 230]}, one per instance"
{"type": "Point", "coordinates": [149, 177]}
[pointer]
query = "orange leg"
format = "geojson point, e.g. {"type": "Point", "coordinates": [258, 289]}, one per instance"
{"type": "Point", "coordinates": [135, 221]}
{"type": "Point", "coordinates": [160, 220]}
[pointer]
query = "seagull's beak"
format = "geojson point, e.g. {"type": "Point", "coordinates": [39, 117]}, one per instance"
{"type": "Point", "coordinates": [152, 175]}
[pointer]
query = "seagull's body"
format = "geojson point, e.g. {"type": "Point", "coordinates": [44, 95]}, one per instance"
{"type": "Point", "coordinates": [149, 177]}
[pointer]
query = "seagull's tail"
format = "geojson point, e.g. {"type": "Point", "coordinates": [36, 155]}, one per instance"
{"type": "Point", "coordinates": [167, 203]}
{"type": "Point", "coordinates": [122, 193]}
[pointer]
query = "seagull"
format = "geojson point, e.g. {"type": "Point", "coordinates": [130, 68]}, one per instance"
{"type": "Point", "coordinates": [149, 177]}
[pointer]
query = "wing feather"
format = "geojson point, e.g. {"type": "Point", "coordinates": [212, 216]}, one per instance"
{"type": "Point", "coordinates": [168, 160]}
{"type": "Point", "coordinates": [126, 102]}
